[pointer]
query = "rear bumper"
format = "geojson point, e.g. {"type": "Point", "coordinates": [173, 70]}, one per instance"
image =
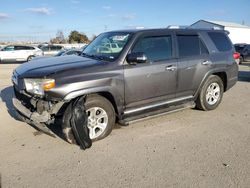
{"type": "Point", "coordinates": [231, 82]}
{"type": "Point", "coordinates": [232, 75]}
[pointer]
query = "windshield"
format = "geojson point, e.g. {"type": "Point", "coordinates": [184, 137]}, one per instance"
{"type": "Point", "coordinates": [107, 46]}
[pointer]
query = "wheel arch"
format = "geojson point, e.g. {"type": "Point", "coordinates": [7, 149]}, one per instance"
{"type": "Point", "coordinates": [223, 77]}
{"type": "Point", "coordinates": [220, 73]}
{"type": "Point", "coordinates": [104, 93]}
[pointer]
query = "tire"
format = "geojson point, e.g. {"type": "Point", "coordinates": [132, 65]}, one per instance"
{"type": "Point", "coordinates": [30, 58]}
{"type": "Point", "coordinates": [211, 94]}
{"type": "Point", "coordinates": [93, 104]}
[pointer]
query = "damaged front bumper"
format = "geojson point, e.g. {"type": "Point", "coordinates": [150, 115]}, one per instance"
{"type": "Point", "coordinates": [39, 119]}
{"type": "Point", "coordinates": [33, 118]}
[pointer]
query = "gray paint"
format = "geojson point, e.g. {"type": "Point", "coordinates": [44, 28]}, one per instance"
{"type": "Point", "coordinates": [133, 86]}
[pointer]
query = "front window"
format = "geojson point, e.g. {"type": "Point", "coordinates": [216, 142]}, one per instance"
{"type": "Point", "coordinates": [107, 46]}
{"type": "Point", "coordinates": [8, 48]}
{"type": "Point", "coordinates": [156, 48]}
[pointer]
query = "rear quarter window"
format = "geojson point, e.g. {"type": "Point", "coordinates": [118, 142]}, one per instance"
{"type": "Point", "coordinates": [221, 41]}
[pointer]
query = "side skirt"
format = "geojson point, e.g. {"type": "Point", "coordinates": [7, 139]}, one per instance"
{"type": "Point", "coordinates": [158, 112]}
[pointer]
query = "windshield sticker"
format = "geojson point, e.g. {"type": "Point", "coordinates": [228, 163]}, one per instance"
{"type": "Point", "coordinates": [120, 37]}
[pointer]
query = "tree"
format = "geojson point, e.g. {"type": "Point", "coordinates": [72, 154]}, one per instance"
{"type": "Point", "coordinates": [76, 37]}
{"type": "Point", "coordinates": [60, 39]}
{"type": "Point", "coordinates": [60, 36]}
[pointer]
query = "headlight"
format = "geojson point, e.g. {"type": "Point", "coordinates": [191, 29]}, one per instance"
{"type": "Point", "coordinates": [38, 86]}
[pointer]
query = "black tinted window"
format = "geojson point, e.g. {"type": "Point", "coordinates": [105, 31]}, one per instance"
{"type": "Point", "coordinates": [45, 48]}
{"type": "Point", "coordinates": [190, 45]}
{"type": "Point", "coordinates": [239, 48]}
{"type": "Point", "coordinates": [71, 52]}
{"type": "Point", "coordinates": [53, 47]}
{"type": "Point", "coordinates": [221, 41]}
{"type": "Point", "coordinates": [58, 47]}
{"type": "Point", "coordinates": [29, 48]}
{"type": "Point", "coordinates": [203, 48]}
{"type": "Point", "coordinates": [20, 48]}
{"type": "Point", "coordinates": [155, 48]}
{"type": "Point", "coordinates": [24, 48]}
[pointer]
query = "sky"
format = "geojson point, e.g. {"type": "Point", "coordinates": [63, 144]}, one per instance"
{"type": "Point", "coordinates": [41, 19]}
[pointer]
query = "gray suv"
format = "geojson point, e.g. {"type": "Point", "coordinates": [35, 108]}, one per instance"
{"type": "Point", "coordinates": [126, 75]}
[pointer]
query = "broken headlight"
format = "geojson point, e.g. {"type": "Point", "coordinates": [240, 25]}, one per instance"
{"type": "Point", "coordinates": [38, 86]}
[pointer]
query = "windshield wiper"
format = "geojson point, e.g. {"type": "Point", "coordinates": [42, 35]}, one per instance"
{"type": "Point", "coordinates": [99, 57]}
{"type": "Point", "coordinates": [87, 55]}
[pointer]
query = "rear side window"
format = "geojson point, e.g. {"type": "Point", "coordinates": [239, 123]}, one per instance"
{"type": "Point", "coordinates": [156, 48]}
{"type": "Point", "coordinates": [30, 48]}
{"type": "Point", "coordinates": [20, 48]}
{"type": "Point", "coordinates": [45, 48]}
{"type": "Point", "coordinates": [190, 45]}
{"type": "Point", "coordinates": [57, 48]}
{"type": "Point", "coordinates": [221, 41]}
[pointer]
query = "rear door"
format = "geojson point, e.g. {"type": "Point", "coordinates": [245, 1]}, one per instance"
{"type": "Point", "coordinates": [21, 53]}
{"type": "Point", "coordinates": [193, 63]}
{"type": "Point", "coordinates": [154, 80]}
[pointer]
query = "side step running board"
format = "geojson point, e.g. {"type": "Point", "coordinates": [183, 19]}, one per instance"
{"type": "Point", "coordinates": [156, 113]}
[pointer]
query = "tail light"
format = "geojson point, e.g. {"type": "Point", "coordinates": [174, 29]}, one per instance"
{"type": "Point", "coordinates": [236, 55]}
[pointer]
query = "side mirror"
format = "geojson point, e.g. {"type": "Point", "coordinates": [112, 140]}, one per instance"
{"type": "Point", "coordinates": [136, 57]}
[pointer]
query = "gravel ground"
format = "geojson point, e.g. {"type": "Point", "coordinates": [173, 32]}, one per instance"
{"type": "Point", "coordinates": [189, 148]}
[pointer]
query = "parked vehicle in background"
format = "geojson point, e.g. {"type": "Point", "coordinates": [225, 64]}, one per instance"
{"type": "Point", "coordinates": [14, 53]}
{"type": "Point", "coordinates": [51, 50]}
{"type": "Point", "coordinates": [149, 72]}
{"type": "Point", "coordinates": [42, 44]}
{"type": "Point", "coordinates": [61, 53]}
{"type": "Point", "coordinates": [244, 50]}
{"type": "Point", "coordinates": [69, 52]}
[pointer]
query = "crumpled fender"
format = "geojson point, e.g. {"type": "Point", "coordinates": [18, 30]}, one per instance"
{"type": "Point", "coordinates": [79, 122]}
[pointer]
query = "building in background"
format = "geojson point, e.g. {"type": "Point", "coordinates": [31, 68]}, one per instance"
{"type": "Point", "coordinates": [238, 33]}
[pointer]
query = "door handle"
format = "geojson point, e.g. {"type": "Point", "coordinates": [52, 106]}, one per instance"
{"type": "Point", "coordinates": [206, 63]}
{"type": "Point", "coordinates": [171, 68]}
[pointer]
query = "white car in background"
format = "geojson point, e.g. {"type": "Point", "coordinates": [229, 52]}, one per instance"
{"type": "Point", "coordinates": [13, 53]}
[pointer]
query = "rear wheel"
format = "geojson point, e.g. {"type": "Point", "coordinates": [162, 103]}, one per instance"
{"type": "Point", "coordinates": [30, 58]}
{"type": "Point", "coordinates": [211, 94]}
{"type": "Point", "coordinates": [101, 118]}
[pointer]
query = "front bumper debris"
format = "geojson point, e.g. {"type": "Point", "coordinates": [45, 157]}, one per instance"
{"type": "Point", "coordinates": [33, 118]}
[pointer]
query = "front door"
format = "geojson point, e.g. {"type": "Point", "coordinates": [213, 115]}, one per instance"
{"type": "Point", "coordinates": [154, 80]}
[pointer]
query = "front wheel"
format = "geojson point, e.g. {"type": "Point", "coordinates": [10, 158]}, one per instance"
{"type": "Point", "coordinates": [211, 94]}
{"type": "Point", "coordinates": [101, 118]}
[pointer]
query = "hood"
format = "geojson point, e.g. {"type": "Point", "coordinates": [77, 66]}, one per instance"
{"type": "Point", "coordinates": [44, 67]}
